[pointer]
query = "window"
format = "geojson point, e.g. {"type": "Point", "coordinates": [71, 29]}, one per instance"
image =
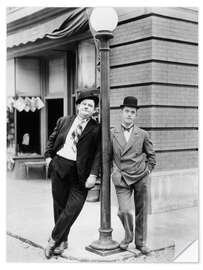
{"type": "Point", "coordinates": [86, 64]}
{"type": "Point", "coordinates": [28, 132]}
{"type": "Point", "coordinates": [10, 132]}
{"type": "Point", "coordinates": [57, 75]}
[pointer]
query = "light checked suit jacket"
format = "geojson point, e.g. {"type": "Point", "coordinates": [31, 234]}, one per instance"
{"type": "Point", "coordinates": [132, 160]}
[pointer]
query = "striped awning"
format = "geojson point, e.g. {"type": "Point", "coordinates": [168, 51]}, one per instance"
{"type": "Point", "coordinates": [70, 23]}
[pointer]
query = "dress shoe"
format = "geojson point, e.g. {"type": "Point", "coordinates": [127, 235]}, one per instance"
{"type": "Point", "coordinates": [60, 249]}
{"type": "Point", "coordinates": [124, 245]}
{"type": "Point", "coordinates": [49, 249]}
{"type": "Point", "coordinates": [144, 249]}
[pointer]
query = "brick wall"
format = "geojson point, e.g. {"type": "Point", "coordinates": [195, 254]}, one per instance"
{"type": "Point", "coordinates": [154, 56]}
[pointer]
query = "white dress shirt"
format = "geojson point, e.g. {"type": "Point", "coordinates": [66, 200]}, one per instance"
{"type": "Point", "coordinates": [67, 150]}
{"type": "Point", "coordinates": [127, 133]}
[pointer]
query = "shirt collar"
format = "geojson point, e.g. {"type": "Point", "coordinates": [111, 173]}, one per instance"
{"type": "Point", "coordinates": [84, 120]}
{"type": "Point", "coordinates": [125, 128]}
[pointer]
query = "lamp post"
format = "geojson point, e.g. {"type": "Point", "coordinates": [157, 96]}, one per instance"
{"type": "Point", "coordinates": [102, 23]}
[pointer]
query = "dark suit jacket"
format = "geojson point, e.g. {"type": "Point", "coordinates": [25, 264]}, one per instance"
{"type": "Point", "coordinates": [88, 146]}
{"type": "Point", "coordinates": [133, 159]}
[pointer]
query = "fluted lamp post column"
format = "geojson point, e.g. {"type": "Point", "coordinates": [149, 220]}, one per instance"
{"type": "Point", "coordinates": [103, 22]}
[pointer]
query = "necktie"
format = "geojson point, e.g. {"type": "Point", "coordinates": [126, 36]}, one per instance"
{"type": "Point", "coordinates": [127, 128]}
{"type": "Point", "coordinates": [76, 134]}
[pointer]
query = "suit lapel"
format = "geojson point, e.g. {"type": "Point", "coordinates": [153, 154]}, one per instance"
{"type": "Point", "coordinates": [118, 133]}
{"type": "Point", "coordinates": [68, 125]}
{"type": "Point", "coordinates": [131, 140]}
{"type": "Point", "coordinates": [87, 129]}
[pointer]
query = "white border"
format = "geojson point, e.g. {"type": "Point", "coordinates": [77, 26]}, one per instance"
{"type": "Point", "coordinates": [126, 3]}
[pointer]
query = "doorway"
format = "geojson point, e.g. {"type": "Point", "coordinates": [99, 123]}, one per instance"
{"type": "Point", "coordinates": [54, 112]}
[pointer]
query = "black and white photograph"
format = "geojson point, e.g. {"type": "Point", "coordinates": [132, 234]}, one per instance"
{"type": "Point", "coordinates": [102, 133]}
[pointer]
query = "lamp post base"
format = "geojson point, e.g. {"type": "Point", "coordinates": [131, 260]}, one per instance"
{"type": "Point", "coordinates": [104, 246]}
{"type": "Point", "coordinates": [104, 252]}
{"type": "Point", "coordinates": [107, 244]}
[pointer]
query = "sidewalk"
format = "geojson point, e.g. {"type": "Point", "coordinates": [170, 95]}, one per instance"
{"type": "Point", "coordinates": [30, 216]}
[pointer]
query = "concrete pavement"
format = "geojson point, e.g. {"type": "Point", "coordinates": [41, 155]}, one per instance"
{"type": "Point", "coordinates": [30, 216]}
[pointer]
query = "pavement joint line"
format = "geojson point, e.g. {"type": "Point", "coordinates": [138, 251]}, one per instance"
{"type": "Point", "coordinates": [24, 240]}
{"type": "Point", "coordinates": [31, 243]}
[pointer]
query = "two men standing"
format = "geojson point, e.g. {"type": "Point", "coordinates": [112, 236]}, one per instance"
{"type": "Point", "coordinates": [73, 157]}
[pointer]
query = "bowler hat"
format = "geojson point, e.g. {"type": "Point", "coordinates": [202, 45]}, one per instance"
{"type": "Point", "coordinates": [86, 94]}
{"type": "Point", "coordinates": [129, 101]}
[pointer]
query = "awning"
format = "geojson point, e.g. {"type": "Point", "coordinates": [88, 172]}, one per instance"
{"type": "Point", "coordinates": [70, 23]}
{"type": "Point", "coordinates": [76, 22]}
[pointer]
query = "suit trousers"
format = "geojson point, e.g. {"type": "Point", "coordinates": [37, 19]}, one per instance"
{"type": "Point", "coordinates": [69, 196]}
{"type": "Point", "coordinates": [124, 195]}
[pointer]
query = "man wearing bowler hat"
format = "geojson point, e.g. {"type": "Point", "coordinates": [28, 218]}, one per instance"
{"type": "Point", "coordinates": [133, 161]}
{"type": "Point", "coordinates": [73, 160]}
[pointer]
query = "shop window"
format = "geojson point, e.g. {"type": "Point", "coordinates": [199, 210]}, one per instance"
{"type": "Point", "coordinates": [86, 64]}
{"type": "Point", "coordinates": [10, 133]}
{"type": "Point", "coordinates": [28, 132]}
{"type": "Point", "coordinates": [28, 80]}
{"type": "Point", "coordinates": [57, 75]}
